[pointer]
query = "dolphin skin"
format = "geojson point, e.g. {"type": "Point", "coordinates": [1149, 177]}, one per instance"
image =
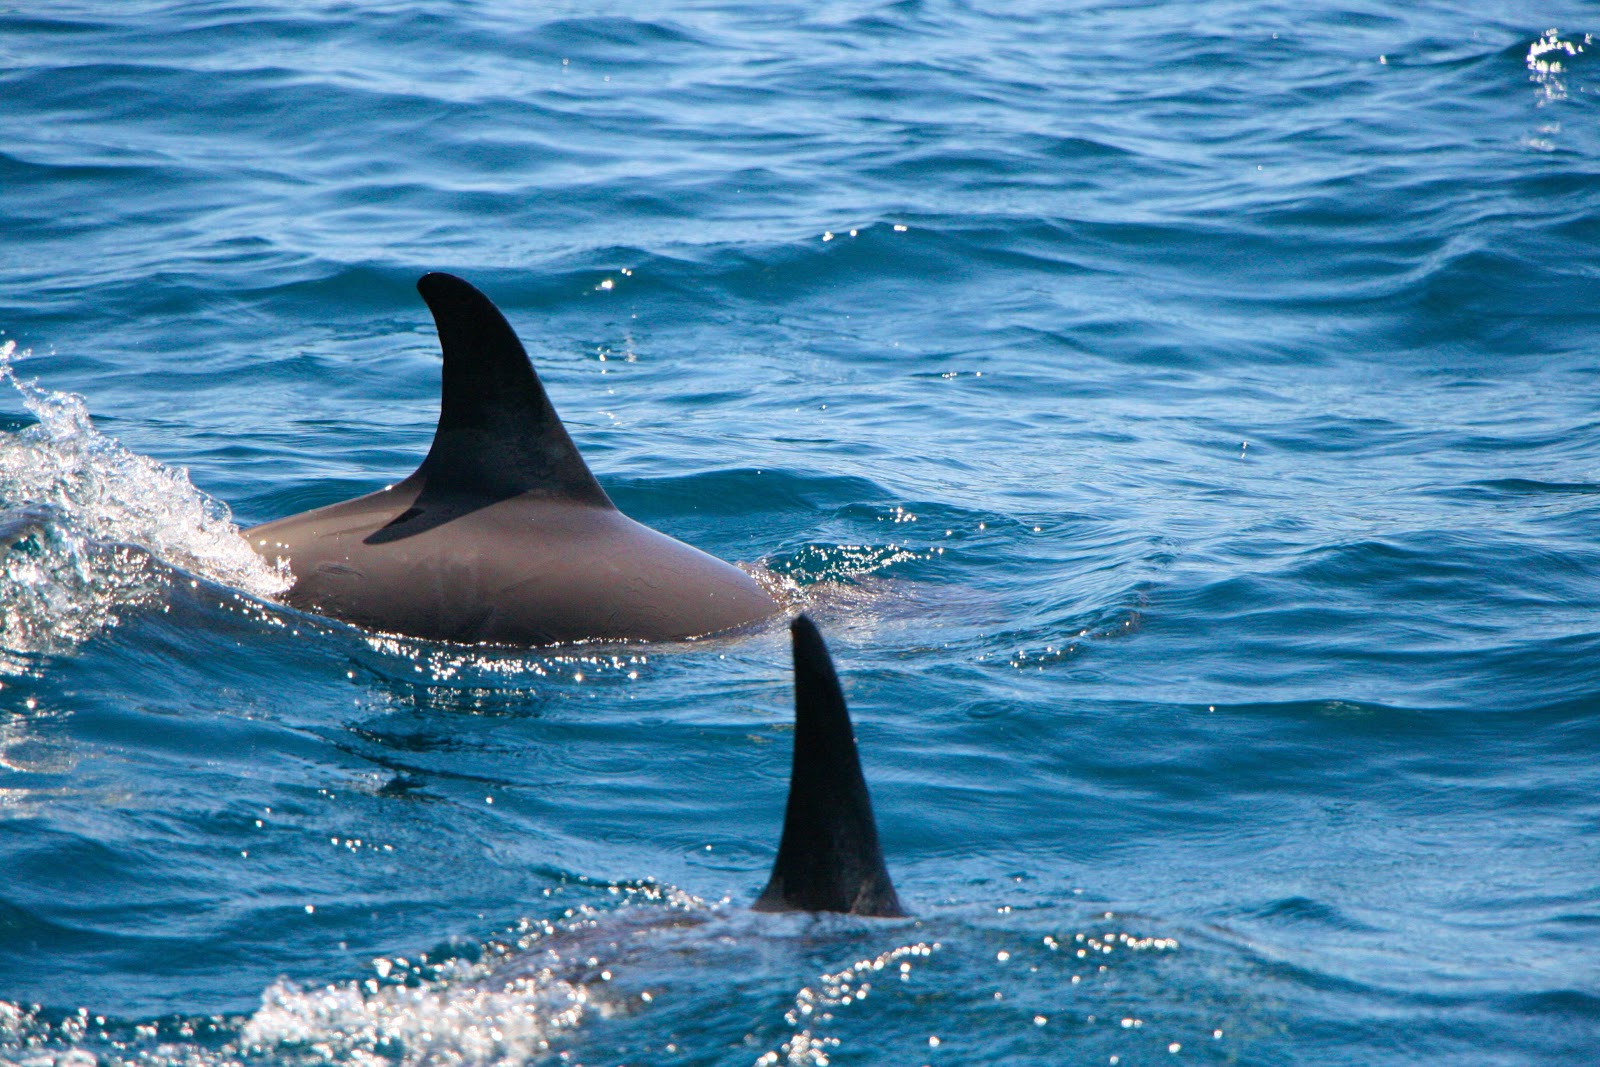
{"type": "Point", "coordinates": [828, 857]}
{"type": "Point", "coordinates": [502, 535]}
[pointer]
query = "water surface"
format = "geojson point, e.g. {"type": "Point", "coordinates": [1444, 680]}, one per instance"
{"type": "Point", "coordinates": [1184, 422]}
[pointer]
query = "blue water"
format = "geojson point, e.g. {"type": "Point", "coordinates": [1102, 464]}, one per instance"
{"type": "Point", "coordinates": [1183, 421]}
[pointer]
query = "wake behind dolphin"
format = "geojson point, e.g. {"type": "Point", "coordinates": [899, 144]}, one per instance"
{"type": "Point", "coordinates": [502, 535]}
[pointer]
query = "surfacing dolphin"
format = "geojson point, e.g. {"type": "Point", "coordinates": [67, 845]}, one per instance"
{"type": "Point", "coordinates": [502, 535]}
{"type": "Point", "coordinates": [828, 858]}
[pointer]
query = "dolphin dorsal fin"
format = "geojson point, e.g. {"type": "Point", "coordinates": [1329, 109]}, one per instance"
{"type": "Point", "coordinates": [498, 435]}
{"type": "Point", "coordinates": [828, 859]}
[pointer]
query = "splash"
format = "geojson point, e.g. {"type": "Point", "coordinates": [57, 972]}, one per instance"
{"type": "Point", "coordinates": [460, 1018]}
{"type": "Point", "coordinates": [515, 1005]}
{"type": "Point", "coordinates": [90, 530]}
{"type": "Point", "coordinates": [494, 1025]}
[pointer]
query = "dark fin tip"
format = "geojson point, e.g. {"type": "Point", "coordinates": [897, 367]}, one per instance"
{"type": "Point", "coordinates": [436, 283]}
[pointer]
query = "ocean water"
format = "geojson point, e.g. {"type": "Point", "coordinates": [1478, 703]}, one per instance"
{"type": "Point", "coordinates": [1183, 420]}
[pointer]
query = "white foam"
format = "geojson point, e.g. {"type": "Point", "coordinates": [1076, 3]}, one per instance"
{"type": "Point", "coordinates": [85, 521]}
{"type": "Point", "coordinates": [466, 1016]}
{"type": "Point", "coordinates": [484, 1025]}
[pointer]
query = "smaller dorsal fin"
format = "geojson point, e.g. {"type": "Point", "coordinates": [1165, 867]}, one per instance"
{"type": "Point", "coordinates": [828, 859]}
{"type": "Point", "coordinates": [498, 435]}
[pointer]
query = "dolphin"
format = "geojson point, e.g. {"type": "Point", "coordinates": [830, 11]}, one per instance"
{"type": "Point", "coordinates": [502, 535]}
{"type": "Point", "coordinates": [828, 857]}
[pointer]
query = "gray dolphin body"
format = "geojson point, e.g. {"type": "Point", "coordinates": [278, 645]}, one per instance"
{"type": "Point", "coordinates": [502, 535]}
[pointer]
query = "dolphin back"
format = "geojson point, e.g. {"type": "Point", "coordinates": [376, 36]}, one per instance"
{"type": "Point", "coordinates": [828, 859]}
